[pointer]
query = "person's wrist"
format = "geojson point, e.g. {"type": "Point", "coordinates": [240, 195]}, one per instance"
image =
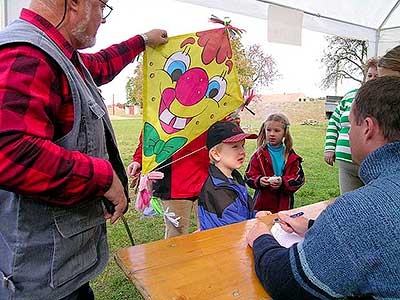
{"type": "Point", "coordinates": [145, 38]}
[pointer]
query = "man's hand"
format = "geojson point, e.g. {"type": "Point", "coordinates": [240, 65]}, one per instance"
{"type": "Point", "coordinates": [117, 197]}
{"type": "Point", "coordinates": [258, 229]}
{"type": "Point", "coordinates": [298, 225]}
{"type": "Point", "coordinates": [330, 157]}
{"type": "Point", "coordinates": [133, 168]}
{"type": "Point", "coordinates": [156, 37]}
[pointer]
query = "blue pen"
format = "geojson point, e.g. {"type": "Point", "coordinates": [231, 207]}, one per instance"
{"type": "Point", "coordinates": [300, 213]}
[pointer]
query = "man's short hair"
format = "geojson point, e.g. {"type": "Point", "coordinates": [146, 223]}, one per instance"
{"type": "Point", "coordinates": [380, 99]}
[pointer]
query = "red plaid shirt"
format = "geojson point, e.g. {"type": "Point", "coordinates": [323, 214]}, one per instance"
{"type": "Point", "coordinates": [36, 109]}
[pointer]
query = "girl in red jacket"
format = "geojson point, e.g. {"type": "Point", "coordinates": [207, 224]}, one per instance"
{"type": "Point", "coordinates": [274, 170]}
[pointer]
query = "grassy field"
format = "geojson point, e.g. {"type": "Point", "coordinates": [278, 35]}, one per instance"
{"type": "Point", "coordinates": [321, 184]}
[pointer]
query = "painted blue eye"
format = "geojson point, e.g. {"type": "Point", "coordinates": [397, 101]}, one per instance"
{"type": "Point", "coordinates": [176, 69]}
{"type": "Point", "coordinates": [176, 65]}
{"type": "Point", "coordinates": [213, 89]}
{"type": "Point", "coordinates": [216, 88]}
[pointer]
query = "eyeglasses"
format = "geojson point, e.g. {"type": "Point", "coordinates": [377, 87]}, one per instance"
{"type": "Point", "coordinates": [105, 10]}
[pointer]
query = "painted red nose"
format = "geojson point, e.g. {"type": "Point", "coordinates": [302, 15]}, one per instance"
{"type": "Point", "coordinates": [191, 87]}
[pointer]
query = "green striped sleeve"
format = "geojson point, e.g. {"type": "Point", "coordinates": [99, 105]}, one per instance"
{"type": "Point", "coordinates": [337, 137]}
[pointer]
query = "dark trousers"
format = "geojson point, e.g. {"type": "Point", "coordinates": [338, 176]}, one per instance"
{"type": "Point", "coordinates": [85, 292]}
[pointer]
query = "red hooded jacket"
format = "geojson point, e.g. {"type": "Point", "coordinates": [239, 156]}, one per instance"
{"type": "Point", "coordinates": [266, 198]}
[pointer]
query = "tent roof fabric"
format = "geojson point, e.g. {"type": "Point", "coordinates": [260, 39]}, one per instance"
{"type": "Point", "coordinates": [375, 21]}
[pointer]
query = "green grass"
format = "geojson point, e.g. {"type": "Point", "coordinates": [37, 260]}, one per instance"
{"type": "Point", "coordinates": [321, 184]}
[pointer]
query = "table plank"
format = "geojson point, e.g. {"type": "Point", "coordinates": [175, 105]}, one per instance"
{"type": "Point", "coordinates": [211, 264]}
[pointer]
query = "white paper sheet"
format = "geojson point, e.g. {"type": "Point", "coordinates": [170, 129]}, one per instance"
{"type": "Point", "coordinates": [284, 238]}
{"type": "Point", "coordinates": [284, 25]}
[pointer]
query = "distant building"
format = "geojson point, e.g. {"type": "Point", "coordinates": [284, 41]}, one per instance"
{"type": "Point", "coordinates": [133, 110]}
{"type": "Point", "coordinates": [124, 110]}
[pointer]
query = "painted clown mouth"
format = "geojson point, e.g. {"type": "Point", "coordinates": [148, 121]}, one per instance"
{"type": "Point", "coordinates": [170, 122]}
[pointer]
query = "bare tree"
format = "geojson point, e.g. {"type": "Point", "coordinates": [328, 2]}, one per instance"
{"type": "Point", "coordinates": [255, 68]}
{"type": "Point", "coordinates": [343, 59]}
{"type": "Point", "coordinates": [264, 66]}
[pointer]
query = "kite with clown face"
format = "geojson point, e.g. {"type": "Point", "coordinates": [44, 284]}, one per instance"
{"type": "Point", "coordinates": [189, 84]}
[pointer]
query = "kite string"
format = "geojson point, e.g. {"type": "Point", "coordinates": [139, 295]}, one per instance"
{"type": "Point", "coordinates": [180, 158]}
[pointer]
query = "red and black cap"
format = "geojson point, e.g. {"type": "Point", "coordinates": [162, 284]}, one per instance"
{"type": "Point", "coordinates": [226, 132]}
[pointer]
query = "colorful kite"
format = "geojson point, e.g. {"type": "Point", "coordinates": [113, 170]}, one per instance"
{"type": "Point", "coordinates": [189, 83]}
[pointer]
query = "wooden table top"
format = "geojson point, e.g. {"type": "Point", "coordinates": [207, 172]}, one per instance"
{"type": "Point", "coordinates": [212, 264]}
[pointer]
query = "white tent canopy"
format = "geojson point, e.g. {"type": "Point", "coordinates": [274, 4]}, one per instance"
{"type": "Point", "coordinates": [377, 21]}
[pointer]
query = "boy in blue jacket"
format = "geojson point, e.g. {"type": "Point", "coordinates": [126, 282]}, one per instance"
{"type": "Point", "coordinates": [224, 198]}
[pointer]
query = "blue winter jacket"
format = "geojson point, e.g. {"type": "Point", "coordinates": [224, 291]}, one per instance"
{"type": "Point", "coordinates": [223, 200]}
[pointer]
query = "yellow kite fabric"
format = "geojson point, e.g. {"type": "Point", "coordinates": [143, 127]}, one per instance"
{"type": "Point", "coordinates": [189, 84]}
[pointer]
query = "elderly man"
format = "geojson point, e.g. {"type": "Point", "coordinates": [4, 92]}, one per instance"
{"type": "Point", "coordinates": [59, 160]}
{"type": "Point", "coordinates": [352, 249]}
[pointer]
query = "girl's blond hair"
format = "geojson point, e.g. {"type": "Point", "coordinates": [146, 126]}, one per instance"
{"type": "Point", "coordinates": [288, 140]}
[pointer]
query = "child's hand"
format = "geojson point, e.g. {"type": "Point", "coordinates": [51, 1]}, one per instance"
{"type": "Point", "coordinates": [275, 182]}
{"type": "Point", "coordinates": [264, 181]}
{"type": "Point", "coordinates": [263, 213]}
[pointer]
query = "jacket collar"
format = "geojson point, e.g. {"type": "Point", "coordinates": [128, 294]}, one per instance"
{"type": "Point", "coordinates": [382, 162]}
{"type": "Point", "coordinates": [219, 178]}
{"type": "Point", "coordinates": [52, 32]}
{"type": "Point", "coordinates": [291, 157]}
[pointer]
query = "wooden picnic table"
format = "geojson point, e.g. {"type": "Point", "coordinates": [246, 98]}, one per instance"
{"type": "Point", "coordinates": [213, 264]}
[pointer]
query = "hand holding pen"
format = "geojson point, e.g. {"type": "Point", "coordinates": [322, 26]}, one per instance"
{"type": "Point", "coordinates": [293, 222]}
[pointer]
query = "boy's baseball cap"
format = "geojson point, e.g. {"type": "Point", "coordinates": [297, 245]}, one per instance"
{"type": "Point", "coordinates": [226, 132]}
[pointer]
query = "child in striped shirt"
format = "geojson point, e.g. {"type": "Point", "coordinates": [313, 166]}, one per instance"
{"type": "Point", "coordinates": [337, 146]}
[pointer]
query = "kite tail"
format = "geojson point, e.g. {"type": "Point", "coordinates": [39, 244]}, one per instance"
{"type": "Point", "coordinates": [226, 22]}
{"type": "Point", "coordinates": [145, 199]}
{"type": "Point", "coordinates": [155, 209]}
{"type": "Point", "coordinates": [145, 189]}
{"type": "Point", "coordinates": [247, 101]}
{"type": "Point", "coordinates": [234, 116]}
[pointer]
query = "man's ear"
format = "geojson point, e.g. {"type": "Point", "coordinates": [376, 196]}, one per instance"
{"type": "Point", "coordinates": [371, 128]}
{"type": "Point", "coordinates": [74, 4]}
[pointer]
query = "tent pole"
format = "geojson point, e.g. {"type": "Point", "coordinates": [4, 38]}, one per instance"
{"type": "Point", "coordinates": [390, 28]}
{"type": "Point", "coordinates": [317, 15]}
{"type": "Point", "coordinates": [377, 38]}
{"type": "Point", "coordinates": [389, 14]}
{"type": "Point", "coordinates": [4, 14]}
